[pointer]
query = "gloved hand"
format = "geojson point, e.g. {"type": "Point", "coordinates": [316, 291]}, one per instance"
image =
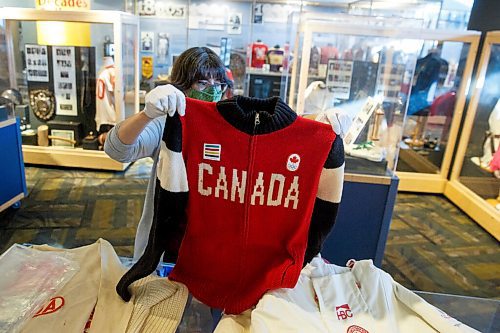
{"type": "Point", "coordinates": [164, 100]}
{"type": "Point", "coordinates": [338, 119]}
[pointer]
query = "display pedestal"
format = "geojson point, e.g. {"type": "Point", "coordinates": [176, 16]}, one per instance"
{"type": "Point", "coordinates": [363, 221]}
{"type": "Point", "coordinates": [71, 157]}
{"type": "Point", "coordinates": [13, 184]}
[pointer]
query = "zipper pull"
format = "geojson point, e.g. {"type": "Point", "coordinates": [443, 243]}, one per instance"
{"type": "Point", "coordinates": [257, 119]}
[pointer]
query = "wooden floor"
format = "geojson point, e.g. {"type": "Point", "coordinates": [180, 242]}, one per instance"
{"type": "Point", "coordinates": [432, 245]}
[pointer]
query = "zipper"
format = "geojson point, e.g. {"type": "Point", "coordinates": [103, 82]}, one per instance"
{"type": "Point", "coordinates": [248, 194]}
{"type": "Point", "coordinates": [256, 122]}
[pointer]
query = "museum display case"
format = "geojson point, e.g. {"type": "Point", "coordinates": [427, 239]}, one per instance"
{"type": "Point", "coordinates": [417, 77]}
{"type": "Point", "coordinates": [361, 69]}
{"type": "Point", "coordinates": [435, 109]}
{"type": "Point", "coordinates": [474, 184]}
{"type": "Point", "coordinates": [73, 89]}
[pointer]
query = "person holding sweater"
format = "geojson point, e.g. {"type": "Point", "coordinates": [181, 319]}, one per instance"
{"type": "Point", "coordinates": [198, 73]}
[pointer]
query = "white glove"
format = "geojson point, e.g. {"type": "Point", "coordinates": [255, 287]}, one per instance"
{"type": "Point", "coordinates": [338, 119]}
{"type": "Point", "coordinates": [164, 100]}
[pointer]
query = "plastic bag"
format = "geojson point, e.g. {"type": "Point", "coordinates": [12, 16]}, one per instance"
{"type": "Point", "coordinates": [29, 279]}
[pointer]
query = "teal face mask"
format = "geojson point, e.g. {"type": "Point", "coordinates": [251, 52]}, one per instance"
{"type": "Point", "coordinates": [211, 94]}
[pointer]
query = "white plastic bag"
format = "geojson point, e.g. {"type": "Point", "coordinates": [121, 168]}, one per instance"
{"type": "Point", "coordinates": [29, 279]}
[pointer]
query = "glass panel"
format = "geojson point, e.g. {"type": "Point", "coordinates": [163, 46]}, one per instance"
{"type": "Point", "coordinates": [227, 31]}
{"type": "Point", "coordinates": [4, 62]}
{"type": "Point", "coordinates": [129, 59]}
{"type": "Point", "coordinates": [60, 85]}
{"type": "Point", "coordinates": [365, 79]}
{"type": "Point", "coordinates": [480, 170]}
{"type": "Point", "coordinates": [478, 313]}
{"type": "Point", "coordinates": [164, 25]}
{"type": "Point", "coordinates": [437, 79]}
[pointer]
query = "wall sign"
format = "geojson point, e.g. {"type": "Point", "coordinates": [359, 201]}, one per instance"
{"type": "Point", "coordinates": [210, 16]}
{"type": "Point", "coordinates": [63, 60]}
{"type": "Point", "coordinates": [63, 4]}
{"type": "Point", "coordinates": [37, 66]}
{"type": "Point", "coordinates": [147, 67]}
{"type": "Point", "coordinates": [162, 9]}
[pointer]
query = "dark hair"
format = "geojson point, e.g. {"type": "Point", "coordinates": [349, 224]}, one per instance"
{"type": "Point", "coordinates": [197, 63]}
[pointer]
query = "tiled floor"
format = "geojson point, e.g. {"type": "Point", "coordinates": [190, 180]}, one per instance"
{"type": "Point", "coordinates": [432, 245]}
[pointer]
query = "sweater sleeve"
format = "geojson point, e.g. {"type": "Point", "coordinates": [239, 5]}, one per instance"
{"type": "Point", "coordinates": [327, 199]}
{"type": "Point", "coordinates": [170, 200]}
{"type": "Point", "coordinates": [146, 144]}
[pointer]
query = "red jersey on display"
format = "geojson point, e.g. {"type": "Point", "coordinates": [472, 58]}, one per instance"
{"type": "Point", "coordinates": [259, 53]}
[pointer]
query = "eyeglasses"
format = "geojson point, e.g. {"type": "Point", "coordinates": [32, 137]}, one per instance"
{"type": "Point", "coordinates": [201, 85]}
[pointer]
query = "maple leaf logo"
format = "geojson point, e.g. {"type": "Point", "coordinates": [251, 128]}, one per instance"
{"type": "Point", "coordinates": [293, 162]}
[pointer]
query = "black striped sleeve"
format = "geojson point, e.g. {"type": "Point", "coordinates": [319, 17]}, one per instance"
{"type": "Point", "coordinates": [327, 199]}
{"type": "Point", "coordinates": [170, 200]}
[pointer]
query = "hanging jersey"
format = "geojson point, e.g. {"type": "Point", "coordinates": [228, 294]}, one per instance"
{"type": "Point", "coordinates": [105, 100]}
{"type": "Point", "coordinates": [259, 53]}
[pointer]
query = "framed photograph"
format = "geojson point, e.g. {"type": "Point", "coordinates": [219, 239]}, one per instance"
{"type": "Point", "coordinates": [338, 77]}
{"type": "Point", "coordinates": [147, 41]}
{"type": "Point", "coordinates": [234, 23]}
{"type": "Point", "coordinates": [62, 138]}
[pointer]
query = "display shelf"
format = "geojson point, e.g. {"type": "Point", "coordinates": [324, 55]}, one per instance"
{"type": "Point", "coordinates": [71, 157]}
{"type": "Point", "coordinates": [474, 185]}
{"type": "Point", "coordinates": [123, 29]}
{"type": "Point", "coordinates": [259, 71]}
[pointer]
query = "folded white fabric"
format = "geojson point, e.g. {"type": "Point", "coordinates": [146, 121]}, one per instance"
{"type": "Point", "coordinates": [330, 298]}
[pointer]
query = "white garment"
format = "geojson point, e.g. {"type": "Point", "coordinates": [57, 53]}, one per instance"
{"type": "Point", "coordinates": [105, 100]}
{"type": "Point", "coordinates": [93, 286]}
{"type": "Point", "coordinates": [492, 141]}
{"type": "Point", "coordinates": [330, 298]}
{"type": "Point", "coordinates": [156, 305]}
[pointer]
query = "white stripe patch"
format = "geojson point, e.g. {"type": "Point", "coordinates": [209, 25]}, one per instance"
{"type": "Point", "coordinates": [331, 183]}
{"type": "Point", "coordinates": [171, 170]}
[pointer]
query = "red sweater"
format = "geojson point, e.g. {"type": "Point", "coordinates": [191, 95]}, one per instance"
{"type": "Point", "coordinates": [252, 194]}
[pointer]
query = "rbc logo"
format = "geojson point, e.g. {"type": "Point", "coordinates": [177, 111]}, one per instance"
{"type": "Point", "coordinates": [343, 312]}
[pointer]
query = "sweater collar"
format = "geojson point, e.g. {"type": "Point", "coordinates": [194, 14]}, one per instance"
{"type": "Point", "coordinates": [241, 113]}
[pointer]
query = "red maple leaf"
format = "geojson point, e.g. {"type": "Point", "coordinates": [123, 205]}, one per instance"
{"type": "Point", "coordinates": [294, 159]}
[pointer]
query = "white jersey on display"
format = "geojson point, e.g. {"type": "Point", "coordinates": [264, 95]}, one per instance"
{"type": "Point", "coordinates": [105, 101]}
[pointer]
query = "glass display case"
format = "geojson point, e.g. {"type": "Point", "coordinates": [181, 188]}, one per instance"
{"type": "Point", "coordinates": [357, 69]}
{"type": "Point", "coordinates": [361, 69]}
{"type": "Point", "coordinates": [474, 184]}
{"type": "Point", "coordinates": [71, 87]}
{"type": "Point", "coordinates": [403, 89]}
{"type": "Point", "coordinates": [435, 109]}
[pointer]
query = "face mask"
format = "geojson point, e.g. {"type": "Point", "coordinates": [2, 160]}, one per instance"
{"type": "Point", "coordinates": [210, 94]}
